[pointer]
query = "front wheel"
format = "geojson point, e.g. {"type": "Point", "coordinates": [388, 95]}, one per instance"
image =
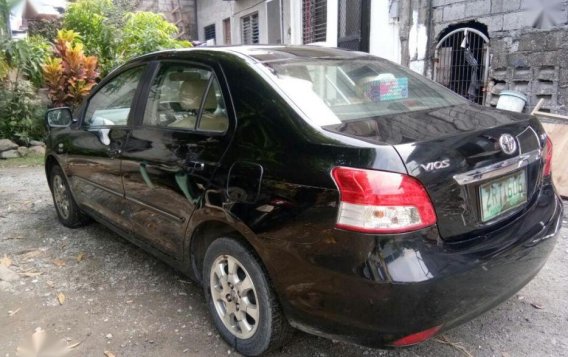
{"type": "Point", "coordinates": [68, 212]}
{"type": "Point", "coordinates": [244, 308]}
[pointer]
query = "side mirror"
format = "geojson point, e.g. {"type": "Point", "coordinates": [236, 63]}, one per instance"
{"type": "Point", "coordinates": [59, 117]}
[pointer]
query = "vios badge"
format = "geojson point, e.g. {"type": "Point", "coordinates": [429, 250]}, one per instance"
{"type": "Point", "coordinates": [436, 165]}
{"type": "Point", "coordinates": [508, 144]}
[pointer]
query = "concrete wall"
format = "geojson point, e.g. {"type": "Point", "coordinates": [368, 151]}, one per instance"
{"type": "Point", "coordinates": [214, 11]}
{"type": "Point", "coordinates": [527, 55]}
{"type": "Point", "coordinates": [385, 36]}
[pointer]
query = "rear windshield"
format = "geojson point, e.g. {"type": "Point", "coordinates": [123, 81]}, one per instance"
{"type": "Point", "coordinates": [335, 91]}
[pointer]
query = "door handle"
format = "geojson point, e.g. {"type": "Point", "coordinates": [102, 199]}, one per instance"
{"type": "Point", "coordinates": [195, 165]}
{"type": "Point", "coordinates": [114, 152]}
{"type": "Point", "coordinates": [115, 148]}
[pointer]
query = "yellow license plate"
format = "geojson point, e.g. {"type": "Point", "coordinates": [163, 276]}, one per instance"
{"type": "Point", "coordinates": [502, 195]}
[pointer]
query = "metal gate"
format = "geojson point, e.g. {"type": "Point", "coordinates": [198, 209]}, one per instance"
{"type": "Point", "coordinates": [462, 63]}
{"type": "Point", "coordinates": [354, 24]}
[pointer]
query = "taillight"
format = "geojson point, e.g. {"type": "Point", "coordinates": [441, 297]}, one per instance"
{"type": "Point", "coordinates": [547, 155]}
{"type": "Point", "coordinates": [381, 202]}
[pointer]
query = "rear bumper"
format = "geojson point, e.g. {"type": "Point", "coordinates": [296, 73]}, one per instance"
{"type": "Point", "coordinates": [373, 290]}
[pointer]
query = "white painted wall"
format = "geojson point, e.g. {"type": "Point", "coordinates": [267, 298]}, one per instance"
{"type": "Point", "coordinates": [243, 8]}
{"type": "Point", "coordinates": [332, 23]}
{"type": "Point", "coordinates": [296, 24]}
{"type": "Point", "coordinates": [417, 42]}
{"type": "Point", "coordinates": [214, 11]}
{"type": "Point", "coordinates": [384, 36]}
{"type": "Point", "coordinates": [287, 19]}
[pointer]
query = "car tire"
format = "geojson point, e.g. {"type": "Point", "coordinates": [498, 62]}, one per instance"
{"type": "Point", "coordinates": [237, 290]}
{"type": "Point", "coordinates": [67, 209]}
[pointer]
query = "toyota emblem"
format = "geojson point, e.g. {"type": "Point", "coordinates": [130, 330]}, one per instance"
{"type": "Point", "coordinates": [508, 144]}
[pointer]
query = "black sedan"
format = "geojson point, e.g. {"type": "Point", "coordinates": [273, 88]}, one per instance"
{"type": "Point", "coordinates": [330, 191]}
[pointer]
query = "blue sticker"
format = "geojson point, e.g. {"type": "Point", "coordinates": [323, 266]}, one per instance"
{"type": "Point", "coordinates": [394, 89]}
{"type": "Point", "coordinates": [387, 89]}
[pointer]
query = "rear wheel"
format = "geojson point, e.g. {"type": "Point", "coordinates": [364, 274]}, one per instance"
{"type": "Point", "coordinates": [240, 299]}
{"type": "Point", "coordinates": [68, 212]}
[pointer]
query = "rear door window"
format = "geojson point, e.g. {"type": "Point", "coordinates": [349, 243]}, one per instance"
{"type": "Point", "coordinates": [186, 97]}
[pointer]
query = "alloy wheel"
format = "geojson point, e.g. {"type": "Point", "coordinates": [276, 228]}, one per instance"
{"type": "Point", "coordinates": [234, 296]}
{"type": "Point", "coordinates": [61, 196]}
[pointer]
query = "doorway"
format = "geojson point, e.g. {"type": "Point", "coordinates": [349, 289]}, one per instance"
{"type": "Point", "coordinates": [461, 62]}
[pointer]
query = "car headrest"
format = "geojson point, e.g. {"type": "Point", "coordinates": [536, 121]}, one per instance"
{"type": "Point", "coordinates": [184, 76]}
{"type": "Point", "coordinates": [196, 88]}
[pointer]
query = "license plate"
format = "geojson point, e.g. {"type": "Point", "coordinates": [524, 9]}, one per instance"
{"type": "Point", "coordinates": [502, 195]}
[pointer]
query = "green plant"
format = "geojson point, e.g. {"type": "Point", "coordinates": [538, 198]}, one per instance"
{"type": "Point", "coordinates": [145, 32]}
{"type": "Point", "coordinates": [113, 33]}
{"type": "Point", "coordinates": [26, 57]}
{"type": "Point", "coordinates": [90, 18]}
{"type": "Point", "coordinates": [21, 112]}
{"type": "Point", "coordinates": [46, 28]}
{"type": "Point", "coordinates": [5, 6]}
{"type": "Point", "coordinates": [70, 74]}
{"type": "Point", "coordinates": [4, 66]}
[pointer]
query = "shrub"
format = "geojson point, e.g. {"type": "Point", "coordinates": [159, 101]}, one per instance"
{"type": "Point", "coordinates": [113, 34]}
{"type": "Point", "coordinates": [21, 112]}
{"type": "Point", "coordinates": [4, 66]}
{"type": "Point", "coordinates": [46, 28]}
{"type": "Point", "coordinates": [26, 57]}
{"type": "Point", "coordinates": [145, 32]}
{"type": "Point", "coordinates": [90, 18]}
{"type": "Point", "coordinates": [70, 74]}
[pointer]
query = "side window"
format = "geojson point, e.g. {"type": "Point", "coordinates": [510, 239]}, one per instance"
{"type": "Point", "coordinates": [214, 114]}
{"type": "Point", "coordinates": [177, 95]}
{"type": "Point", "coordinates": [111, 104]}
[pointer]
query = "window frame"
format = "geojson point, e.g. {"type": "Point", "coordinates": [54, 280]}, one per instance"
{"type": "Point", "coordinates": [133, 105]}
{"type": "Point", "coordinates": [208, 28]}
{"type": "Point", "coordinates": [227, 33]}
{"type": "Point", "coordinates": [250, 16]}
{"type": "Point", "coordinates": [313, 36]}
{"type": "Point", "coordinates": [157, 66]}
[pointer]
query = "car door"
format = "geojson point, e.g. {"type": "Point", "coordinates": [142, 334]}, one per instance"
{"type": "Point", "coordinates": [94, 149]}
{"type": "Point", "coordinates": [173, 152]}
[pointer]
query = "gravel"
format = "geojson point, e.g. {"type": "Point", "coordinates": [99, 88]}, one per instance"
{"type": "Point", "coordinates": [90, 286]}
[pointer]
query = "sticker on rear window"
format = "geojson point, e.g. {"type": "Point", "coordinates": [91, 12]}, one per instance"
{"type": "Point", "coordinates": [387, 89]}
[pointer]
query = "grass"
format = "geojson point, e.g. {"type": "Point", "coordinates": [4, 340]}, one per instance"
{"type": "Point", "coordinates": [28, 161]}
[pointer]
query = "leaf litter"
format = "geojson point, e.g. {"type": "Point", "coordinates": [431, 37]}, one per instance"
{"type": "Point", "coordinates": [458, 346]}
{"type": "Point", "coordinates": [40, 347]}
{"type": "Point", "coordinates": [61, 298]}
{"type": "Point", "coordinates": [6, 261]}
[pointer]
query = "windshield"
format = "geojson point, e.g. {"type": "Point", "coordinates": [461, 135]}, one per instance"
{"type": "Point", "coordinates": [335, 91]}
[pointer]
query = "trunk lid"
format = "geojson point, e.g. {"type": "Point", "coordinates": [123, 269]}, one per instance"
{"type": "Point", "coordinates": [455, 150]}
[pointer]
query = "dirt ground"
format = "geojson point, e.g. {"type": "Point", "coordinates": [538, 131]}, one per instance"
{"type": "Point", "coordinates": [90, 286]}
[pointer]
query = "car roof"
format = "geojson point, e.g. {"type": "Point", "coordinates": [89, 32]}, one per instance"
{"type": "Point", "coordinates": [265, 53]}
{"type": "Point", "coordinates": [284, 52]}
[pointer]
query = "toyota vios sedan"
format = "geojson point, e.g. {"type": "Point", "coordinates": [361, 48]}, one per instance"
{"type": "Point", "coordinates": [329, 191]}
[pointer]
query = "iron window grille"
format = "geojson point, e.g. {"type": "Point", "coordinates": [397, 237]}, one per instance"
{"type": "Point", "coordinates": [249, 29]}
{"type": "Point", "coordinates": [314, 18]}
{"type": "Point", "coordinates": [210, 32]}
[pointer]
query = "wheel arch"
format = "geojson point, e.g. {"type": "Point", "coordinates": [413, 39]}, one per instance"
{"type": "Point", "coordinates": [207, 231]}
{"type": "Point", "coordinates": [50, 162]}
